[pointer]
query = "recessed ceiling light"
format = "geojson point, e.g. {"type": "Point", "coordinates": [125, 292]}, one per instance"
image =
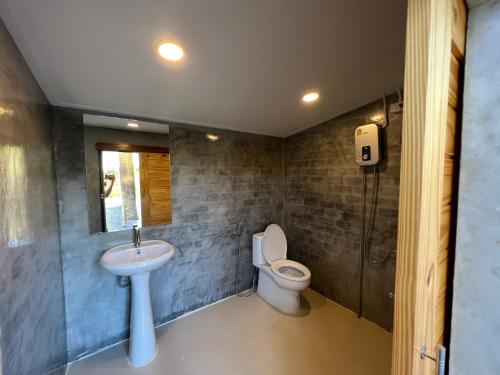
{"type": "Point", "coordinates": [310, 97]}
{"type": "Point", "coordinates": [133, 125]}
{"type": "Point", "coordinates": [170, 51]}
{"type": "Point", "coordinates": [213, 137]}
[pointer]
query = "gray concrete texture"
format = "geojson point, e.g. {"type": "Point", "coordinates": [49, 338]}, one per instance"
{"type": "Point", "coordinates": [475, 333]}
{"type": "Point", "coordinates": [215, 185]}
{"type": "Point", "coordinates": [323, 210]}
{"type": "Point", "coordinates": [32, 324]}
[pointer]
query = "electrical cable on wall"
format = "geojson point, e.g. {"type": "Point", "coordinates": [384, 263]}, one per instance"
{"type": "Point", "coordinates": [237, 279]}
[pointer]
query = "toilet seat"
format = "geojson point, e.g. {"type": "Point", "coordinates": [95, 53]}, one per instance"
{"type": "Point", "coordinates": [274, 249]}
{"type": "Point", "coordinates": [273, 244]}
{"type": "Point", "coordinates": [290, 270]}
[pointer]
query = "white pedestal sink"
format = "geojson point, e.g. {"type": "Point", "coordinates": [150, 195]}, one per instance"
{"type": "Point", "coordinates": [138, 262]}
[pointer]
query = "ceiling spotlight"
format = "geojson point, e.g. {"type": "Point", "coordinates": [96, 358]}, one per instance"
{"type": "Point", "coordinates": [310, 97]}
{"type": "Point", "coordinates": [170, 51]}
{"type": "Point", "coordinates": [133, 125]}
{"type": "Point", "coordinates": [212, 137]}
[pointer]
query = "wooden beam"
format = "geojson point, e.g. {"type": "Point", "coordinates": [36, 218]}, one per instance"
{"type": "Point", "coordinates": [427, 71]}
{"type": "Point", "coordinates": [415, 83]}
{"type": "Point", "coordinates": [123, 147]}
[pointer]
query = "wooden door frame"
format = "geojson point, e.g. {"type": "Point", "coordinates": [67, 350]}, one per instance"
{"type": "Point", "coordinates": [430, 25]}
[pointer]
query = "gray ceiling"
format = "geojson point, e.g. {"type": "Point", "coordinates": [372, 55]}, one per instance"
{"type": "Point", "coordinates": [248, 61]}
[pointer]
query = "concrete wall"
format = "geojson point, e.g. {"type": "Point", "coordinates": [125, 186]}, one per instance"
{"type": "Point", "coordinates": [475, 334]}
{"type": "Point", "coordinates": [32, 324]}
{"type": "Point", "coordinates": [215, 185]}
{"type": "Point", "coordinates": [93, 135]}
{"type": "Point", "coordinates": [323, 211]}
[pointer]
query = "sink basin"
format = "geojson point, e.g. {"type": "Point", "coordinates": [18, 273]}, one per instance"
{"type": "Point", "coordinates": [128, 260]}
{"type": "Point", "coordinates": [138, 263]}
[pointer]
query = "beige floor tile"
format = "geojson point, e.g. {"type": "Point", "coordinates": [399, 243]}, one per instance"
{"type": "Point", "coordinates": [245, 335]}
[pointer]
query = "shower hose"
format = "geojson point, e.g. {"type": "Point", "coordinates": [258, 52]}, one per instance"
{"type": "Point", "coordinates": [365, 231]}
{"type": "Point", "coordinates": [236, 281]}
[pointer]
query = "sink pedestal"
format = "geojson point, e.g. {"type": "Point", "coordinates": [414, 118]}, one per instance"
{"type": "Point", "coordinates": [142, 342]}
{"type": "Point", "coordinates": [138, 261]}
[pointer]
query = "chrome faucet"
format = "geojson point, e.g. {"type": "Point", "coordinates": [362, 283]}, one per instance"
{"type": "Point", "coordinates": [137, 238]}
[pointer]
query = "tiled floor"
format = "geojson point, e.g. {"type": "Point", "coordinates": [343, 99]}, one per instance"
{"type": "Point", "coordinates": [246, 336]}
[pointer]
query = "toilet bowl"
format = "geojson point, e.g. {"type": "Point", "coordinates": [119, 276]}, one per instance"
{"type": "Point", "coordinates": [280, 279]}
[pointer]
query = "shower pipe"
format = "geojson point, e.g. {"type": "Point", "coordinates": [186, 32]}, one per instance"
{"type": "Point", "coordinates": [366, 230]}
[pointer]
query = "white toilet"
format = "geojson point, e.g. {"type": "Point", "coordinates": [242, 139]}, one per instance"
{"type": "Point", "coordinates": [280, 280]}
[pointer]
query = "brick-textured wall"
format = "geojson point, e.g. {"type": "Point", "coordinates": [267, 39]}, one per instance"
{"type": "Point", "coordinates": [215, 185]}
{"type": "Point", "coordinates": [323, 211]}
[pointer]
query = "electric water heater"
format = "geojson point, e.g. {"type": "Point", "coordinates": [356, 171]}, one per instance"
{"type": "Point", "coordinates": [367, 140]}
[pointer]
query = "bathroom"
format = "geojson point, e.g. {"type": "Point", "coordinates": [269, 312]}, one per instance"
{"type": "Point", "coordinates": [186, 188]}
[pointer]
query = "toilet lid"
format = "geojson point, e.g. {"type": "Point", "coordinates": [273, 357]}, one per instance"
{"type": "Point", "coordinates": [274, 243]}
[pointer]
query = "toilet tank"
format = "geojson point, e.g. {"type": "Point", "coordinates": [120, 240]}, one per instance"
{"type": "Point", "coordinates": [257, 255]}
